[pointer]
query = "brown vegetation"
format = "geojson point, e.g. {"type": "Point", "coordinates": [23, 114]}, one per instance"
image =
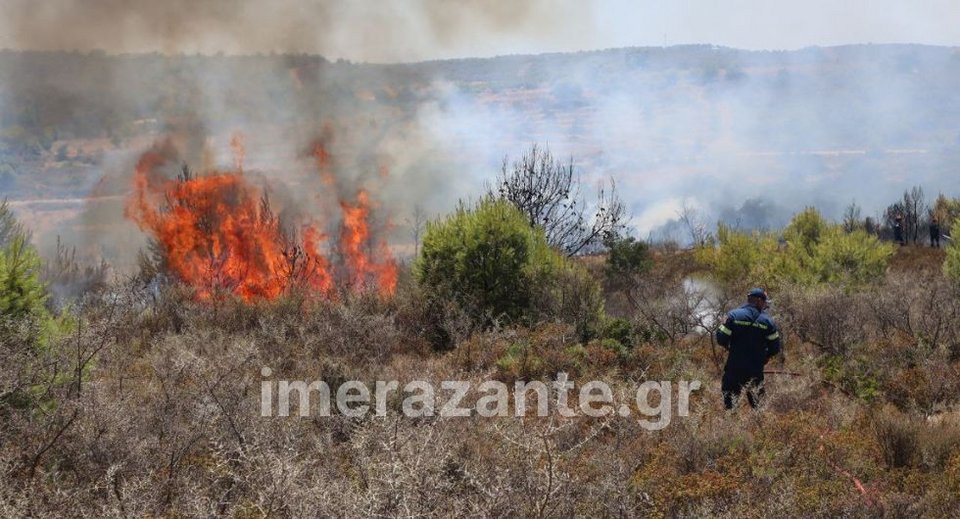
{"type": "Point", "coordinates": [150, 407]}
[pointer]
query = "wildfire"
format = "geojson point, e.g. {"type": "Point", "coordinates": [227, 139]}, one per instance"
{"type": "Point", "coordinates": [323, 158]}
{"type": "Point", "coordinates": [218, 233]}
{"type": "Point", "coordinates": [354, 238]}
{"type": "Point", "coordinates": [324, 164]}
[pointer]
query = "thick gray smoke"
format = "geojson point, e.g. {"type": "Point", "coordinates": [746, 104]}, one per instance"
{"type": "Point", "coordinates": [746, 138]}
{"type": "Point", "coordinates": [741, 137]}
{"type": "Point", "coordinates": [281, 104]}
{"type": "Point", "coordinates": [381, 31]}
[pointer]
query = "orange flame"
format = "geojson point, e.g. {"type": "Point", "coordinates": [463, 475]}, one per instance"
{"type": "Point", "coordinates": [354, 238]}
{"type": "Point", "coordinates": [324, 164]}
{"type": "Point", "coordinates": [324, 159]}
{"type": "Point", "coordinates": [218, 234]}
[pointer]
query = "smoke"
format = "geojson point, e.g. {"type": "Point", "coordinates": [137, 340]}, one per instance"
{"type": "Point", "coordinates": [744, 137]}
{"type": "Point", "coordinates": [748, 138]}
{"type": "Point", "coordinates": [206, 100]}
{"type": "Point", "coordinates": [382, 31]}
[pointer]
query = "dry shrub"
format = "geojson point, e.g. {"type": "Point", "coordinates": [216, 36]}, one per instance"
{"type": "Point", "coordinates": [927, 388]}
{"type": "Point", "coordinates": [438, 322]}
{"type": "Point", "coordinates": [541, 353]}
{"type": "Point", "coordinates": [795, 390]}
{"type": "Point", "coordinates": [923, 307]}
{"type": "Point", "coordinates": [166, 420]}
{"type": "Point", "coordinates": [69, 278]}
{"type": "Point", "coordinates": [668, 310]}
{"type": "Point", "coordinates": [828, 318]}
{"type": "Point", "coordinates": [910, 440]}
{"type": "Point", "coordinates": [572, 296]}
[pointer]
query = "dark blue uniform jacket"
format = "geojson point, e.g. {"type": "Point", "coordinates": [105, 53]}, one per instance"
{"type": "Point", "coordinates": [751, 338]}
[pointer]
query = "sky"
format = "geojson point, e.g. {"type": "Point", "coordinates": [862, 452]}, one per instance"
{"type": "Point", "coordinates": [414, 30]}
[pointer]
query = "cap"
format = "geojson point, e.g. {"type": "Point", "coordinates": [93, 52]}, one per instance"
{"type": "Point", "coordinates": [758, 292]}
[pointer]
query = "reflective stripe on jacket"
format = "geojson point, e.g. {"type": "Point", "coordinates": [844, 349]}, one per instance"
{"type": "Point", "coordinates": [751, 338]}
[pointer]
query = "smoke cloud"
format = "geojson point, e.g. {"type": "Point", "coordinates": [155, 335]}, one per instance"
{"type": "Point", "coordinates": [744, 137]}
{"type": "Point", "coordinates": [382, 31]}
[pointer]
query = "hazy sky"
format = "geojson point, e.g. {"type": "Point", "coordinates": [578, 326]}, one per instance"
{"type": "Point", "coordinates": [410, 30]}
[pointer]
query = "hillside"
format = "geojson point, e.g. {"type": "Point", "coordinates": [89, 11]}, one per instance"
{"type": "Point", "coordinates": [711, 126]}
{"type": "Point", "coordinates": [160, 399]}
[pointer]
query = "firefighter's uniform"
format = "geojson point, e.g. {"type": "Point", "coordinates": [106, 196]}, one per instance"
{"type": "Point", "coordinates": [751, 338]}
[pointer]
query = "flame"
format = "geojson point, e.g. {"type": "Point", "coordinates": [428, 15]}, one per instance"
{"type": "Point", "coordinates": [324, 164]}
{"type": "Point", "coordinates": [218, 234]}
{"type": "Point", "coordinates": [323, 158]}
{"type": "Point", "coordinates": [354, 239]}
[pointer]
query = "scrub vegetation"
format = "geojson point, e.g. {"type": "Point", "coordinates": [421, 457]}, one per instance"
{"type": "Point", "coordinates": [139, 399]}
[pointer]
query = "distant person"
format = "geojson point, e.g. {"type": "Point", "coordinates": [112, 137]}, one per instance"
{"type": "Point", "coordinates": [898, 230]}
{"type": "Point", "coordinates": [935, 233]}
{"type": "Point", "coordinates": [751, 338]}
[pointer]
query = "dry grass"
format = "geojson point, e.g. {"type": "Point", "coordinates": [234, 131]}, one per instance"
{"type": "Point", "coordinates": [165, 418]}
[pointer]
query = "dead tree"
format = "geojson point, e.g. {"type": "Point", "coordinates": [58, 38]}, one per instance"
{"type": "Point", "coordinates": [417, 223]}
{"type": "Point", "coordinates": [549, 193]}
{"type": "Point", "coordinates": [912, 210]}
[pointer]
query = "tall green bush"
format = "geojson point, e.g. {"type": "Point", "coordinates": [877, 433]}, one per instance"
{"type": "Point", "coordinates": [487, 259]}
{"type": "Point", "coordinates": [10, 228]}
{"type": "Point", "coordinates": [805, 231]}
{"type": "Point", "coordinates": [21, 292]}
{"type": "Point", "coordinates": [23, 296]}
{"type": "Point", "coordinates": [490, 261]}
{"type": "Point", "coordinates": [627, 257]}
{"type": "Point", "coordinates": [813, 252]}
{"type": "Point", "coordinates": [737, 258]}
{"type": "Point", "coordinates": [820, 252]}
{"type": "Point", "coordinates": [851, 259]}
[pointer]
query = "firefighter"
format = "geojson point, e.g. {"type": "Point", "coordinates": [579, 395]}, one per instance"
{"type": "Point", "coordinates": [898, 230]}
{"type": "Point", "coordinates": [751, 339]}
{"type": "Point", "coordinates": [935, 233]}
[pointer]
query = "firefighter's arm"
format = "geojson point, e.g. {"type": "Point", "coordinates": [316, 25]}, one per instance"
{"type": "Point", "coordinates": [725, 332]}
{"type": "Point", "coordinates": [774, 341]}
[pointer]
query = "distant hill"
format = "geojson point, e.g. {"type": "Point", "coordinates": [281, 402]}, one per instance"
{"type": "Point", "coordinates": [715, 125]}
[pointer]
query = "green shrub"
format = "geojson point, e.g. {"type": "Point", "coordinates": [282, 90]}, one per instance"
{"type": "Point", "coordinates": [805, 230]}
{"type": "Point", "coordinates": [815, 252]}
{"type": "Point", "coordinates": [649, 333]}
{"type": "Point", "coordinates": [519, 360]}
{"type": "Point", "coordinates": [851, 259]}
{"type": "Point", "coordinates": [10, 228]}
{"type": "Point", "coordinates": [819, 252]}
{"type": "Point", "coordinates": [620, 330]}
{"type": "Point", "coordinates": [497, 267]}
{"type": "Point", "coordinates": [739, 259]}
{"type": "Point", "coordinates": [23, 295]}
{"type": "Point", "coordinates": [853, 375]}
{"type": "Point", "coordinates": [21, 292]}
{"type": "Point", "coordinates": [627, 257]}
{"type": "Point", "coordinates": [488, 259]}
{"type": "Point", "coordinates": [952, 264]}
